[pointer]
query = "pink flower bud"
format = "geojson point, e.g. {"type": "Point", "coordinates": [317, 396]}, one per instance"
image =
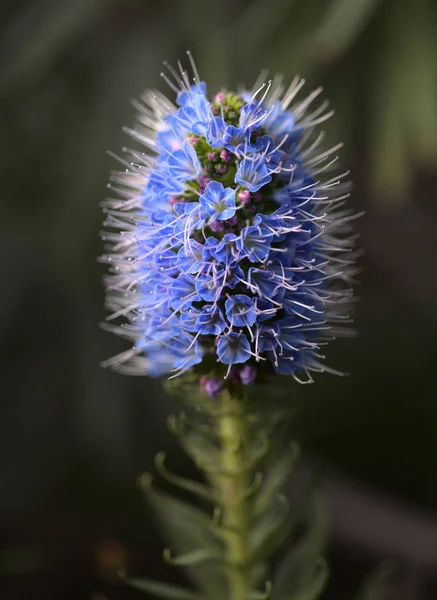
{"type": "Point", "coordinates": [245, 197]}
{"type": "Point", "coordinates": [216, 226]}
{"type": "Point", "coordinates": [226, 156]}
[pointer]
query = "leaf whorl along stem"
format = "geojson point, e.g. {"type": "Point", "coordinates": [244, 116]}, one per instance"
{"type": "Point", "coordinates": [231, 443]}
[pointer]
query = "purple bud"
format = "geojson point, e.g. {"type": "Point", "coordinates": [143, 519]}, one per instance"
{"type": "Point", "coordinates": [247, 375]}
{"type": "Point", "coordinates": [213, 386]}
{"type": "Point", "coordinates": [216, 226]}
{"type": "Point", "coordinates": [203, 181]}
{"type": "Point", "coordinates": [245, 197]}
{"type": "Point", "coordinates": [232, 221]}
{"type": "Point", "coordinates": [219, 97]}
{"type": "Point", "coordinates": [174, 199]}
{"type": "Point", "coordinates": [192, 139]}
{"type": "Point", "coordinates": [226, 156]}
{"type": "Point", "coordinates": [220, 169]}
{"type": "Point", "coordinates": [211, 156]}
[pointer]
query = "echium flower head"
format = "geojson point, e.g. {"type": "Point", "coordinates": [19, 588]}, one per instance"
{"type": "Point", "coordinates": [230, 249]}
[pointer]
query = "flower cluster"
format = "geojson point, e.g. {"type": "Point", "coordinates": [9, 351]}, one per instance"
{"type": "Point", "coordinates": [230, 249]}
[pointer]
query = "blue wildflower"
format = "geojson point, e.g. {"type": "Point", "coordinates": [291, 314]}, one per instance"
{"type": "Point", "coordinates": [233, 348]}
{"type": "Point", "coordinates": [230, 254]}
{"type": "Point", "coordinates": [183, 164]}
{"type": "Point", "coordinates": [240, 310]}
{"type": "Point", "coordinates": [253, 173]}
{"type": "Point", "coordinates": [218, 201]}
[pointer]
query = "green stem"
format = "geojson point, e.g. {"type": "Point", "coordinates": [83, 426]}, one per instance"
{"type": "Point", "coordinates": [232, 430]}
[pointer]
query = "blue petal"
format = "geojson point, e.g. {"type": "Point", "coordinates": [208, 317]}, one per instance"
{"type": "Point", "coordinates": [252, 116]}
{"type": "Point", "coordinates": [188, 320]}
{"type": "Point", "coordinates": [240, 310]}
{"type": "Point", "coordinates": [215, 132]}
{"type": "Point", "coordinates": [268, 337]}
{"type": "Point", "coordinates": [184, 164]}
{"type": "Point", "coordinates": [253, 174]}
{"type": "Point", "coordinates": [184, 97]}
{"type": "Point", "coordinates": [190, 258]}
{"type": "Point", "coordinates": [218, 201]}
{"type": "Point", "coordinates": [211, 321]}
{"type": "Point", "coordinates": [233, 348]}
{"type": "Point", "coordinates": [209, 288]}
{"type": "Point", "coordinates": [255, 242]}
{"type": "Point", "coordinates": [183, 288]}
{"type": "Point", "coordinates": [227, 251]}
{"type": "Point", "coordinates": [264, 280]}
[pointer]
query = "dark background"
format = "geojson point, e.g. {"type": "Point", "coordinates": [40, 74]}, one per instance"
{"type": "Point", "coordinates": [73, 438]}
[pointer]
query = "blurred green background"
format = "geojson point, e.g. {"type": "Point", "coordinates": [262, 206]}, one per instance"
{"type": "Point", "coordinates": [73, 438]}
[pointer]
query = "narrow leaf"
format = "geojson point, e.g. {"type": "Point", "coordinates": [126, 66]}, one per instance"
{"type": "Point", "coordinates": [268, 533]}
{"type": "Point", "coordinates": [376, 586]}
{"type": "Point", "coordinates": [265, 595]}
{"type": "Point", "coordinates": [191, 559]}
{"type": "Point", "coordinates": [302, 573]}
{"type": "Point", "coordinates": [276, 477]}
{"type": "Point", "coordinates": [163, 590]}
{"type": "Point", "coordinates": [198, 489]}
{"type": "Point", "coordinates": [188, 529]}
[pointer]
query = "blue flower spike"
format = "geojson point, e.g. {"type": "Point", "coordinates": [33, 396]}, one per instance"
{"type": "Point", "coordinates": [230, 253]}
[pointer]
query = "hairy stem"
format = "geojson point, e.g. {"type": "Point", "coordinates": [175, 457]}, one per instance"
{"type": "Point", "coordinates": [232, 430]}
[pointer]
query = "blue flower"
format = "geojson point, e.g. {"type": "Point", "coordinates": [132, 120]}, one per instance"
{"type": "Point", "coordinates": [218, 201]}
{"type": "Point", "coordinates": [230, 255]}
{"type": "Point", "coordinates": [253, 173]}
{"type": "Point", "coordinates": [215, 133]}
{"type": "Point", "coordinates": [183, 164]}
{"type": "Point", "coordinates": [226, 251]}
{"type": "Point", "coordinates": [252, 116]}
{"type": "Point", "coordinates": [240, 310]}
{"type": "Point", "coordinates": [254, 243]}
{"type": "Point", "coordinates": [208, 287]}
{"type": "Point", "coordinates": [211, 321]}
{"type": "Point", "coordinates": [233, 348]}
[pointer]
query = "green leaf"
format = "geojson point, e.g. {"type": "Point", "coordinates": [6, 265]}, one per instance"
{"type": "Point", "coordinates": [271, 530]}
{"type": "Point", "coordinates": [191, 559]}
{"type": "Point", "coordinates": [312, 588]}
{"type": "Point", "coordinates": [188, 530]}
{"type": "Point", "coordinates": [376, 586]}
{"type": "Point", "coordinates": [198, 489]}
{"type": "Point", "coordinates": [302, 574]}
{"type": "Point", "coordinates": [277, 475]}
{"type": "Point", "coordinates": [265, 595]}
{"type": "Point", "coordinates": [163, 590]}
